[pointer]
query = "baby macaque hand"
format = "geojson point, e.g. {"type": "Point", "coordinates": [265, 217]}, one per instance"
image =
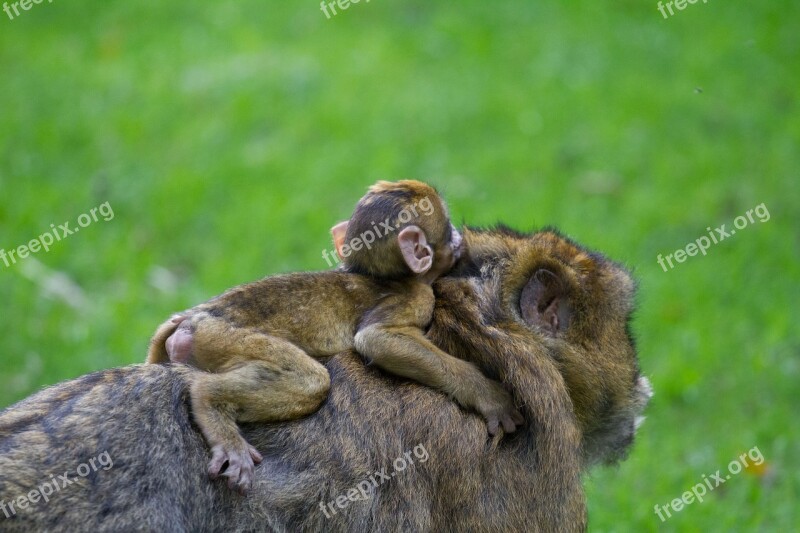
{"type": "Point", "coordinates": [497, 407]}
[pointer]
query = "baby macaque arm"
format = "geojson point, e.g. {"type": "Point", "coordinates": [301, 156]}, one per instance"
{"type": "Point", "coordinates": [404, 351]}
{"type": "Point", "coordinates": [392, 337]}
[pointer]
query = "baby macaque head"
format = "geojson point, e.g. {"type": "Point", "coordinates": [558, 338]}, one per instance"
{"type": "Point", "coordinates": [398, 230]}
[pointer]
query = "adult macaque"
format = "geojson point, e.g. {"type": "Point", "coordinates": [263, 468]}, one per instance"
{"type": "Point", "coordinates": [258, 343]}
{"type": "Point", "coordinates": [576, 379]}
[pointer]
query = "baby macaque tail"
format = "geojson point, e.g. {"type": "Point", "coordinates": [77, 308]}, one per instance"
{"type": "Point", "coordinates": [158, 344]}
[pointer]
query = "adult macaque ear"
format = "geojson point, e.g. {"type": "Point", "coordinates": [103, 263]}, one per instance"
{"type": "Point", "coordinates": [338, 233]}
{"type": "Point", "coordinates": [417, 254]}
{"type": "Point", "coordinates": [544, 302]}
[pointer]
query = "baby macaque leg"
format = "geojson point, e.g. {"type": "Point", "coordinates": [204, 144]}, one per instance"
{"type": "Point", "coordinates": [264, 379]}
{"type": "Point", "coordinates": [168, 345]}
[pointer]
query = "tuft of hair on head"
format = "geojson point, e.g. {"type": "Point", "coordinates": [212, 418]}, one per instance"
{"type": "Point", "coordinates": [412, 187]}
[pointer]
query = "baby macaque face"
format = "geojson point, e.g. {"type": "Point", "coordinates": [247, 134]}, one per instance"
{"type": "Point", "coordinates": [446, 255]}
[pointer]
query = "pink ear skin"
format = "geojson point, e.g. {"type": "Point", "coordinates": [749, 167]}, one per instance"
{"type": "Point", "coordinates": [417, 254]}
{"type": "Point", "coordinates": [338, 233]}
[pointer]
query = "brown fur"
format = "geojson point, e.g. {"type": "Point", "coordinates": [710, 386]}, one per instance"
{"type": "Point", "coordinates": [259, 343]}
{"type": "Point", "coordinates": [577, 414]}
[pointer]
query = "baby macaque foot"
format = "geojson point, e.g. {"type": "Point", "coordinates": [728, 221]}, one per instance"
{"type": "Point", "coordinates": [237, 463]}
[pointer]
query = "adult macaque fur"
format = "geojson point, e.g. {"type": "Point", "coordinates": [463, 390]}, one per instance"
{"type": "Point", "coordinates": [258, 344]}
{"type": "Point", "coordinates": [577, 381]}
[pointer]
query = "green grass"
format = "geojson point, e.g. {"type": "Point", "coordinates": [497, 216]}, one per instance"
{"type": "Point", "coordinates": [228, 137]}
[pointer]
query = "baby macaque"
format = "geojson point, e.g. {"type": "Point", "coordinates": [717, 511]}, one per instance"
{"type": "Point", "coordinates": [259, 343]}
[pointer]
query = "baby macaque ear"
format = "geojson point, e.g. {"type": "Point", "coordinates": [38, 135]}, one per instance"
{"type": "Point", "coordinates": [338, 233]}
{"type": "Point", "coordinates": [417, 254]}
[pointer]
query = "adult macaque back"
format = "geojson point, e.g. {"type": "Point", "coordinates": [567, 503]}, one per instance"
{"type": "Point", "coordinates": [537, 313]}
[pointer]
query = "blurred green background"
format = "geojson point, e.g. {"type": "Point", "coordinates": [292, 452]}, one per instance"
{"type": "Point", "coordinates": [227, 138]}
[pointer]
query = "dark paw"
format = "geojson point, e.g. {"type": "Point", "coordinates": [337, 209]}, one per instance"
{"type": "Point", "coordinates": [237, 463]}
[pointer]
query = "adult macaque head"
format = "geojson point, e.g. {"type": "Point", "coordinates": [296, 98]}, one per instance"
{"type": "Point", "coordinates": [578, 304]}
